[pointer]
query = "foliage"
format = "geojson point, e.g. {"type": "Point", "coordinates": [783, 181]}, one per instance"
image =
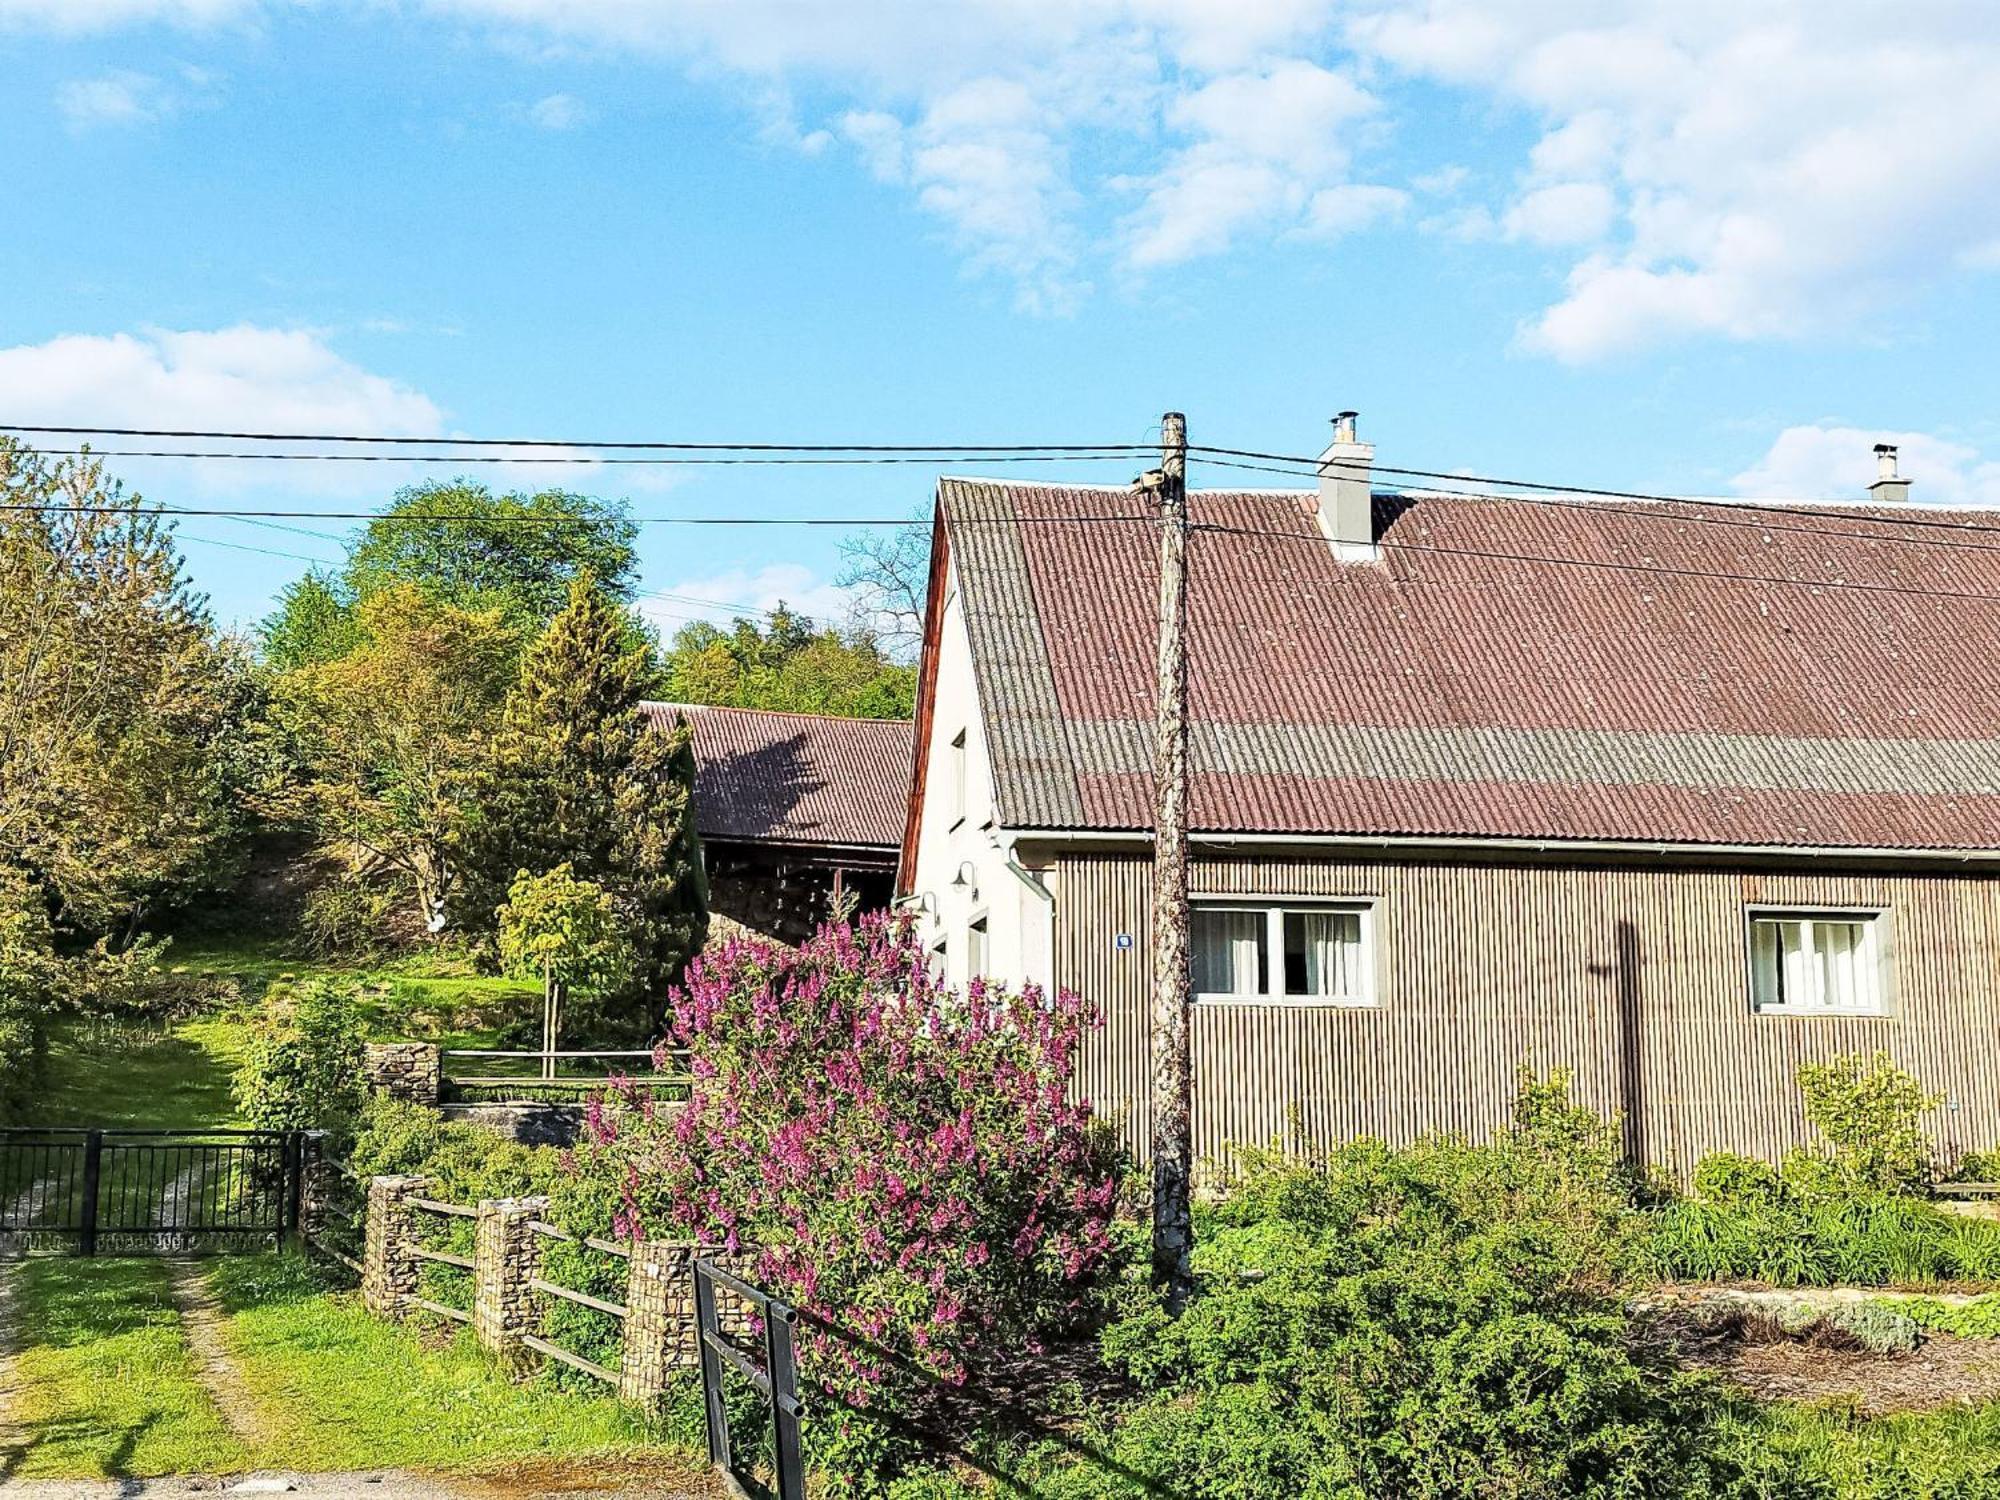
{"type": "Point", "coordinates": [348, 918]}
{"type": "Point", "coordinates": [904, 1160]}
{"type": "Point", "coordinates": [1977, 1166]}
{"type": "Point", "coordinates": [1431, 1321]}
{"type": "Point", "coordinates": [786, 663]}
{"type": "Point", "coordinates": [514, 555]}
{"type": "Point", "coordinates": [386, 730]}
{"type": "Point", "coordinates": [562, 927]}
{"type": "Point", "coordinates": [116, 700]}
{"type": "Point", "coordinates": [303, 1068]}
{"type": "Point", "coordinates": [1869, 1110]}
{"type": "Point", "coordinates": [1794, 1239]}
{"type": "Point", "coordinates": [28, 974]}
{"type": "Point", "coordinates": [578, 774]}
{"type": "Point", "coordinates": [1977, 1319]}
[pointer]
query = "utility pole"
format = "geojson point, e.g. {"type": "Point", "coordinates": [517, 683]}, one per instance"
{"type": "Point", "coordinates": [1173, 1080]}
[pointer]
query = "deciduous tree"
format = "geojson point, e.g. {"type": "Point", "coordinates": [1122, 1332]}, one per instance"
{"type": "Point", "coordinates": [785, 663]}
{"type": "Point", "coordinates": [579, 774]}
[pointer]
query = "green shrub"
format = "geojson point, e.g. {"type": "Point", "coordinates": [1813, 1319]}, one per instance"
{"type": "Point", "coordinates": [1870, 1110]}
{"type": "Point", "coordinates": [1978, 1166]}
{"type": "Point", "coordinates": [1978, 1319]}
{"type": "Point", "coordinates": [303, 1067]}
{"type": "Point", "coordinates": [1725, 1177]}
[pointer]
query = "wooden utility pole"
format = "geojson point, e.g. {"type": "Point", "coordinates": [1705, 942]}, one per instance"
{"type": "Point", "coordinates": [1173, 1082]}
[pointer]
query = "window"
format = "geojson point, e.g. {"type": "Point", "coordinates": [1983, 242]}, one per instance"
{"type": "Point", "coordinates": [975, 949]}
{"type": "Point", "coordinates": [1306, 953]}
{"type": "Point", "coordinates": [958, 779]}
{"type": "Point", "coordinates": [1818, 962]}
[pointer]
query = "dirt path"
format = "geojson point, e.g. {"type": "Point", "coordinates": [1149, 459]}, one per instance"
{"type": "Point", "coordinates": [13, 1436]}
{"type": "Point", "coordinates": [201, 1324]}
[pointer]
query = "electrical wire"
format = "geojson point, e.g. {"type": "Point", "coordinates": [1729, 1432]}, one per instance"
{"type": "Point", "coordinates": [472, 442]}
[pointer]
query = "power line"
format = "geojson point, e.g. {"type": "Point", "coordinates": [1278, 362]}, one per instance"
{"type": "Point", "coordinates": [1497, 555]}
{"type": "Point", "coordinates": [1595, 507]}
{"type": "Point", "coordinates": [929, 458]}
{"type": "Point", "coordinates": [1312, 466]}
{"type": "Point", "coordinates": [472, 442]}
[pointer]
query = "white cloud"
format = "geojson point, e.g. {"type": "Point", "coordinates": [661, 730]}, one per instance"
{"type": "Point", "coordinates": [1702, 167]}
{"type": "Point", "coordinates": [244, 378]}
{"type": "Point", "coordinates": [558, 112]}
{"type": "Point", "coordinates": [721, 597]}
{"type": "Point", "coordinates": [1760, 171]}
{"type": "Point", "coordinates": [1827, 461]}
{"type": "Point", "coordinates": [124, 97]}
{"type": "Point", "coordinates": [74, 16]}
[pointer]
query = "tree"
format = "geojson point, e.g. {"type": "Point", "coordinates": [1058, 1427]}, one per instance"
{"type": "Point", "coordinates": [787, 664]}
{"type": "Point", "coordinates": [115, 699]}
{"type": "Point", "coordinates": [579, 775]}
{"type": "Point", "coordinates": [889, 576]}
{"type": "Point", "coordinates": [564, 932]}
{"type": "Point", "coordinates": [514, 553]}
{"type": "Point", "coordinates": [388, 731]}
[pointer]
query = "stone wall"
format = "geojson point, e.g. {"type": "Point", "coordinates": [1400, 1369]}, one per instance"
{"type": "Point", "coordinates": [410, 1071]}
{"type": "Point", "coordinates": [388, 1270]}
{"type": "Point", "coordinates": [506, 1257]}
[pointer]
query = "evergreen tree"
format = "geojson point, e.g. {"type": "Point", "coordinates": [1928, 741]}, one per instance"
{"type": "Point", "coordinates": [578, 774]}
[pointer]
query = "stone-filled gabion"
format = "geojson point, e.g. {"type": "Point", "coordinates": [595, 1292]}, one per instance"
{"type": "Point", "coordinates": [388, 1270]}
{"type": "Point", "coordinates": [410, 1071]}
{"type": "Point", "coordinates": [506, 1257]}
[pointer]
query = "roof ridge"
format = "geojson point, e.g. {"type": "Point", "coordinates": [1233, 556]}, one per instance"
{"type": "Point", "coordinates": [784, 713]}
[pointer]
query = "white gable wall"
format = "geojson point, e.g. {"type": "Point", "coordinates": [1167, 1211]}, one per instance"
{"type": "Point", "coordinates": [962, 871]}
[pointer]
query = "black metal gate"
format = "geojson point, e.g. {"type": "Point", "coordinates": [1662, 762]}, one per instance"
{"type": "Point", "coordinates": [148, 1192]}
{"type": "Point", "coordinates": [772, 1371]}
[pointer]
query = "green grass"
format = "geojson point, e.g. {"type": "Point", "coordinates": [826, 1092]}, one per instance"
{"type": "Point", "coordinates": [104, 1385]}
{"type": "Point", "coordinates": [137, 1077]}
{"type": "Point", "coordinates": [1827, 1450]}
{"type": "Point", "coordinates": [143, 1077]}
{"type": "Point", "coordinates": [349, 1391]}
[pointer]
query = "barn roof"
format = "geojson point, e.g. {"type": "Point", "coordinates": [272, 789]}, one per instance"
{"type": "Point", "coordinates": [1675, 672]}
{"type": "Point", "coordinates": [769, 777]}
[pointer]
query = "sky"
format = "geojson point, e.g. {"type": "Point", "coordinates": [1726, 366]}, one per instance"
{"type": "Point", "coordinates": [1694, 247]}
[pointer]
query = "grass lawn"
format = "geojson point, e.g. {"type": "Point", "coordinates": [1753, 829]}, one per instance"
{"type": "Point", "coordinates": [104, 1385]}
{"type": "Point", "coordinates": [349, 1391]}
{"type": "Point", "coordinates": [138, 1077]}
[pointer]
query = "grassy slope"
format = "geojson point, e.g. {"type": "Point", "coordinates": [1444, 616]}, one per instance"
{"type": "Point", "coordinates": [104, 1385]}
{"type": "Point", "coordinates": [142, 1078]}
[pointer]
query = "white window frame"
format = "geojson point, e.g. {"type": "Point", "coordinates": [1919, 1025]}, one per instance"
{"type": "Point", "coordinates": [959, 796]}
{"type": "Point", "coordinates": [1274, 909]}
{"type": "Point", "coordinates": [978, 934]}
{"type": "Point", "coordinates": [1875, 920]}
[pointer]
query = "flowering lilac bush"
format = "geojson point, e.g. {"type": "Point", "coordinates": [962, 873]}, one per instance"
{"type": "Point", "coordinates": [905, 1161]}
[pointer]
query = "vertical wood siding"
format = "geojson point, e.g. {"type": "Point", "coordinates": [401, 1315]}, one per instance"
{"type": "Point", "coordinates": [1637, 980]}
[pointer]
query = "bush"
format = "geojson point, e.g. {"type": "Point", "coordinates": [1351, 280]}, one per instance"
{"type": "Point", "coordinates": [1869, 1110]}
{"type": "Point", "coordinates": [904, 1160]}
{"type": "Point", "coordinates": [303, 1067]}
{"type": "Point", "coordinates": [1433, 1321]}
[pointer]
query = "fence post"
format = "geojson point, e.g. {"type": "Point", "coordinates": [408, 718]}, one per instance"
{"type": "Point", "coordinates": [711, 1374]}
{"type": "Point", "coordinates": [661, 1331]}
{"type": "Point", "coordinates": [506, 1255]}
{"type": "Point", "coordinates": [310, 1206]}
{"type": "Point", "coordinates": [93, 1160]}
{"type": "Point", "coordinates": [388, 1270]}
{"type": "Point", "coordinates": [782, 1364]}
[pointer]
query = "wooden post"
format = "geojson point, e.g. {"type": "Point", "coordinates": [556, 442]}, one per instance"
{"type": "Point", "coordinates": [1173, 1083]}
{"type": "Point", "coordinates": [548, 1019]}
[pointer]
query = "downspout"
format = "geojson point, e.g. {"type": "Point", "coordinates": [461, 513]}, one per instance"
{"type": "Point", "coordinates": [1034, 883]}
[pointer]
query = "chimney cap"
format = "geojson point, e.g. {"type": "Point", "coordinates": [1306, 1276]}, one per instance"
{"type": "Point", "coordinates": [1343, 426]}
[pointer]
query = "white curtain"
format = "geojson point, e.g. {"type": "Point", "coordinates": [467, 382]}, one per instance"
{"type": "Point", "coordinates": [1840, 946]}
{"type": "Point", "coordinates": [1332, 944]}
{"type": "Point", "coordinates": [1227, 946]}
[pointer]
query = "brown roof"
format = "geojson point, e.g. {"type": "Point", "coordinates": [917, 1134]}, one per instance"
{"type": "Point", "coordinates": [797, 778]}
{"type": "Point", "coordinates": [1627, 672]}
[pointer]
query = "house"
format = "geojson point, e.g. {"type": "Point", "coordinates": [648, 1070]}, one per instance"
{"type": "Point", "coordinates": [795, 811]}
{"type": "Point", "coordinates": [1675, 795]}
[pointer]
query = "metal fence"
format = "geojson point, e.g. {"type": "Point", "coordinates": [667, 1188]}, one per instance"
{"type": "Point", "coordinates": [141, 1192]}
{"type": "Point", "coordinates": [772, 1371]}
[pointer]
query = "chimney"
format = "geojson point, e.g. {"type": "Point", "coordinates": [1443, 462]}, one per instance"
{"type": "Point", "coordinates": [1346, 501]}
{"type": "Point", "coordinates": [1889, 488]}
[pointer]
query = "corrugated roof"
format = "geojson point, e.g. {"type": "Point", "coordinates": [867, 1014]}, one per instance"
{"type": "Point", "coordinates": [1478, 682]}
{"type": "Point", "coordinates": [797, 778]}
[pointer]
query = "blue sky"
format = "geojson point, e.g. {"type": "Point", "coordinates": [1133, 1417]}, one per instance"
{"type": "Point", "coordinates": [1651, 246]}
